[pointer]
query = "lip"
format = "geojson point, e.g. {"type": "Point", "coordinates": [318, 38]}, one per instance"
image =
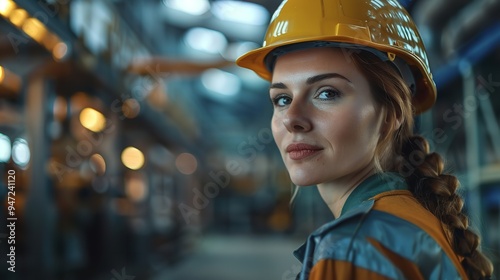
{"type": "Point", "coordinates": [298, 151]}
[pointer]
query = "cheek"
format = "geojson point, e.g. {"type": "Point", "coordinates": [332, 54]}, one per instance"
{"type": "Point", "coordinates": [371, 120]}
{"type": "Point", "coordinates": [367, 130]}
{"type": "Point", "coordinates": [338, 124]}
{"type": "Point", "coordinates": [276, 129]}
{"type": "Point", "coordinates": [352, 128]}
{"type": "Point", "coordinates": [343, 135]}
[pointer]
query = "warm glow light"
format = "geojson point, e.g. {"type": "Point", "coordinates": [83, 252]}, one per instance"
{"type": "Point", "coordinates": [60, 108]}
{"type": "Point", "coordinates": [158, 96]}
{"type": "Point", "coordinates": [6, 7]}
{"type": "Point", "coordinates": [4, 148]}
{"type": "Point", "coordinates": [2, 74]}
{"type": "Point", "coordinates": [186, 163]}
{"type": "Point", "coordinates": [135, 188]}
{"type": "Point", "coordinates": [49, 41]}
{"type": "Point", "coordinates": [60, 50]}
{"type": "Point", "coordinates": [97, 164]}
{"type": "Point", "coordinates": [92, 119]}
{"type": "Point", "coordinates": [10, 80]}
{"type": "Point", "coordinates": [77, 101]}
{"type": "Point", "coordinates": [35, 29]}
{"type": "Point", "coordinates": [18, 16]}
{"type": "Point", "coordinates": [131, 108]}
{"type": "Point", "coordinates": [132, 158]}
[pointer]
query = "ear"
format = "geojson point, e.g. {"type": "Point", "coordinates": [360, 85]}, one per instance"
{"type": "Point", "coordinates": [397, 122]}
{"type": "Point", "coordinates": [392, 121]}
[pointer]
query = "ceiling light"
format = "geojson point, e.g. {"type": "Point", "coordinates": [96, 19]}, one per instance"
{"type": "Point", "coordinates": [241, 12]}
{"type": "Point", "coordinates": [206, 40]}
{"type": "Point", "coordinates": [235, 50]}
{"type": "Point", "coordinates": [21, 152]}
{"type": "Point", "coordinates": [193, 7]}
{"type": "Point", "coordinates": [6, 7]}
{"type": "Point", "coordinates": [4, 148]}
{"type": "Point", "coordinates": [221, 82]}
{"type": "Point", "coordinates": [18, 16]}
{"type": "Point", "coordinates": [35, 29]}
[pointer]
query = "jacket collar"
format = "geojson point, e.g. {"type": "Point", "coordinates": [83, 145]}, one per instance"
{"type": "Point", "coordinates": [372, 186]}
{"type": "Point", "coordinates": [358, 203]}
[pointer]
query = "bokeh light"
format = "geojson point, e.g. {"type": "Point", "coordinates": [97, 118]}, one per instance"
{"type": "Point", "coordinates": [132, 158]}
{"type": "Point", "coordinates": [186, 163]}
{"type": "Point", "coordinates": [5, 148]}
{"type": "Point", "coordinates": [135, 188]}
{"type": "Point", "coordinates": [97, 164]}
{"type": "Point", "coordinates": [92, 119]}
{"type": "Point", "coordinates": [131, 108]}
{"type": "Point", "coordinates": [21, 152]}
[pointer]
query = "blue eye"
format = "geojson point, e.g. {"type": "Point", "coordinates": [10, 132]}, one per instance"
{"type": "Point", "coordinates": [282, 100]}
{"type": "Point", "coordinates": [328, 94]}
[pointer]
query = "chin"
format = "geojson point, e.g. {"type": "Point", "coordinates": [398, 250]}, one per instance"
{"type": "Point", "coordinates": [303, 177]}
{"type": "Point", "coordinates": [303, 182]}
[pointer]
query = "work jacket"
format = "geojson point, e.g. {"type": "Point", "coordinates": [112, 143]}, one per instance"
{"type": "Point", "coordinates": [382, 233]}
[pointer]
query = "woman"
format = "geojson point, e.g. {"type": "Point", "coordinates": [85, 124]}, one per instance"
{"type": "Point", "coordinates": [346, 79]}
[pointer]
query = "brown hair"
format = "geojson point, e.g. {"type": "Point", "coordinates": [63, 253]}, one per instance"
{"type": "Point", "coordinates": [423, 170]}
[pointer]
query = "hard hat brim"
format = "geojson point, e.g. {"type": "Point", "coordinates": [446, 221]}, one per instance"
{"type": "Point", "coordinates": [423, 99]}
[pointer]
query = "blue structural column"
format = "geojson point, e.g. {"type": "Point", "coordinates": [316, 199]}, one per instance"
{"type": "Point", "coordinates": [480, 47]}
{"type": "Point", "coordinates": [39, 219]}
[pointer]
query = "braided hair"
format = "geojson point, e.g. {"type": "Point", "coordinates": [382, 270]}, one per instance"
{"type": "Point", "coordinates": [422, 169]}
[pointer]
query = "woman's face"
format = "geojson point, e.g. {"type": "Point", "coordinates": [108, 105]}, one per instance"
{"type": "Point", "coordinates": [325, 121]}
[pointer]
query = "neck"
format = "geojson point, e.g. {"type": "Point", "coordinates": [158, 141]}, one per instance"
{"type": "Point", "coordinates": [336, 193]}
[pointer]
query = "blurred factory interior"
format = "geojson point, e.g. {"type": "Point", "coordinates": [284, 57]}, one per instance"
{"type": "Point", "coordinates": [140, 151]}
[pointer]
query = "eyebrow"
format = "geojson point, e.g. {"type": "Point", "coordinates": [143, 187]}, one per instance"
{"type": "Point", "coordinates": [313, 79]}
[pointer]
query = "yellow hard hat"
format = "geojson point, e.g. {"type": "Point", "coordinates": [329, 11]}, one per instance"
{"type": "Point", "coordinates": [383, 26]}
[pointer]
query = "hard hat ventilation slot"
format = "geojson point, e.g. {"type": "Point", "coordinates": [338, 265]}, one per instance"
{"type": "Point", "coordinates": [391, 56]}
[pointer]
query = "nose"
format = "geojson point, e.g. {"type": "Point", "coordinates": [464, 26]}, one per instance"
{"type": "Point", "coordinates": [296, 118]}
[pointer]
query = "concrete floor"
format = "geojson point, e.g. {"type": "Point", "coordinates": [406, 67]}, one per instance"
{"type": "Point", "coordinates": [238, 258]}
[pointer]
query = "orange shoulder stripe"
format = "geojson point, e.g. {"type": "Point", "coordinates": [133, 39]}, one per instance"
{"type": "Point", "coordinates": [335, 269]}
{"type": "Point", "coordinates": [403, 204]}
